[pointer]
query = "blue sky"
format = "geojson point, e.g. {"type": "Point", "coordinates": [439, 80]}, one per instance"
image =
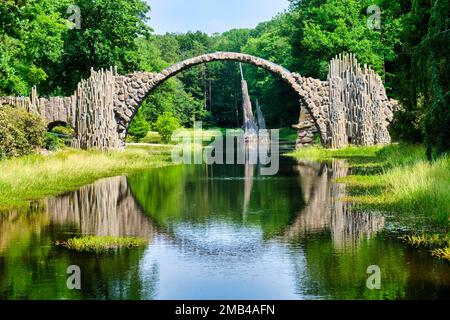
{"type": "Point", "coordinates": [211, 16]}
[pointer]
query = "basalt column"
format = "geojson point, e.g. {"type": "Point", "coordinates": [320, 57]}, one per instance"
{"type": "Point", "coordinates": [96, 124]}
{"type": "Point", "coordinates": [360, 112]}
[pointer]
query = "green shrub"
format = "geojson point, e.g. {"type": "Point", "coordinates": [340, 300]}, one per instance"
{"type": "Point", "coordinates": [53, 142]}
{"type": "Point", "coordinates": [166, 125]}
{"type": "Point", "coordinates": [139, 127]}
{"type": "Point", "coordinates": [21, 132]}
{"type": "Point", "coordinates": [63, 131]}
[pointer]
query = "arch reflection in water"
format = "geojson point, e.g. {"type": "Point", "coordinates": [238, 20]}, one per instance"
{"type": "Point", "coordinates": [105, 208]}
{"type": "Point", "coordinates": [326, 209]}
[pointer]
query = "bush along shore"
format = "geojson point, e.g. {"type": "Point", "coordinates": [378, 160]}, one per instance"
{"type": "Point", "coordinates": [399, 180]}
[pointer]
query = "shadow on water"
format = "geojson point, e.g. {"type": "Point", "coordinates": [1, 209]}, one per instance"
{"type": "Point", "coordinates": [215, 232]}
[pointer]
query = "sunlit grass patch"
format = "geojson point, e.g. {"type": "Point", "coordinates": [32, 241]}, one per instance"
{"type": "Point", "coordinates": [427, 240]}
{"type": "Point", "coordinates": [442, 253]}
{"type": "Point", "coordinates": [372, 156]}
{"type": "Point", "coordinates": [422, 188]}
{"type": "Point", "coordinates": [395, 178]}
{"type": "Point", "coordinates": [440, 244]}
{"type": "Point", "coordinates": [318, 153]}
{"type": "Point", "coordinates": [38, 176]}
{"type": "Point", "coordinates": [151, 137]}
{"type": "Point", "coordinates": [101, 244]}
{"type": "Point", "coordinates": [362, 181]}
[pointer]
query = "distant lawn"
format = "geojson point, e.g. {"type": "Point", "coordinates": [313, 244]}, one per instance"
{"type": "Point", "coordinates": [288, 135]}
{"type": "Point", "coordinates": [38, 176]}
{"type": "Point", "coordinates": [152, 137]}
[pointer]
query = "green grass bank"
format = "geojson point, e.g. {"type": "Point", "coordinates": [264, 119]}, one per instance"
{"type": "Point", "coordinates": [396, 179]}
{"type": "Point", "coordinates": [37, 176]}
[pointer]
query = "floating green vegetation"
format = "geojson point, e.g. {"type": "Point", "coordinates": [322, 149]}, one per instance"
{"type": "Point", "coordinates": [101, 244]}
{"type": "Point", "coordinates": [439, 243]}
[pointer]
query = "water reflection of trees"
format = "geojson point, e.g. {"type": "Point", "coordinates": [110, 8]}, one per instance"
{"type": "Point", "coordinates": [233, 194]}
{"type": "Point", "coordinates": [326, 209]}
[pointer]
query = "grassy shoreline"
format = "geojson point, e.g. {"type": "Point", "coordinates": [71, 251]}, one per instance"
{"type": "Point", "coordinates": [38, 176]}
{"type": "Point", "coordinates": [396, 179]}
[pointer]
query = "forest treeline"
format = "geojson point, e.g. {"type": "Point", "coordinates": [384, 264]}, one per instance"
{"type": "Point", "coordinates": [39, 46]}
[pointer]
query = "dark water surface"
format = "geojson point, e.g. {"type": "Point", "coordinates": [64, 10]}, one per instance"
{"type": "Point", "coordinates": [215, 232]}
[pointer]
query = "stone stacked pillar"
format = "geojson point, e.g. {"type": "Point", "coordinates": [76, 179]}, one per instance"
{"type": "Point", "coordinates": [96, 124]}
{"type": "Point", "coordinates": [360, 111]}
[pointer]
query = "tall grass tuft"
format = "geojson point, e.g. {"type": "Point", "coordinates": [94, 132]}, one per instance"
{"type": "Point", "coordinates": [423, 187]}
{"type": "Point", "coordinates": [439, 243]}
{"type": "Point", "coordinates": [442, 253]}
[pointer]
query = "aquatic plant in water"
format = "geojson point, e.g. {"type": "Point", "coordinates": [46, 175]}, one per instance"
{"type": "Point", "coordinates": [101, 244]}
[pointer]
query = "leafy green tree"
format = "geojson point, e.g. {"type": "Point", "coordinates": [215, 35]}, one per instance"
{"type": "Point", "coordinates": [271, 41]}
{"type": "Point", "coordinates": [172, 96]}
{"type": "Point", "coordinates": [325, 28]}
{"type": "Point", "coordinates": [107, 37]}
{"type": "Point", "coordinates": [166, 125]}
{"type": "Point", "coordinates": [139, 127]}
{"type": "Point", "coordinates": [431, 70]}
{"type": "Point", "coordinates": [31, 43]}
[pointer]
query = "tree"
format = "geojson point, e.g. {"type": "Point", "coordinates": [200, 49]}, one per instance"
{"type": "Point", "coordinates": [31, 43]}
{"type": "Point", "coordinates": [325, 28]}
{"type": "Point", "coordinates": [21, 132]}
{"type": "Point", "coordinates": [107, 37]}
{"type": "Point", "coordinates": [139, 127]}
{"type": "Point", "coordinates": [431, 70]}
{"type": "Point", "coordinates": [166, 125]}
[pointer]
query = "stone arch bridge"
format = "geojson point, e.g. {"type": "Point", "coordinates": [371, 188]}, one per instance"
{"type": "Point", "coordinates": [102, 107]}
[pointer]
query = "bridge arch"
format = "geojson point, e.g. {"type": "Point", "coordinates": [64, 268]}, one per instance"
{"type": "Point", "coordinates": [131, 90]}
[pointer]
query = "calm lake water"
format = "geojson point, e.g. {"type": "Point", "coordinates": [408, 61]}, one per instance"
{"type": "Point", "coordinates": [215, 232]}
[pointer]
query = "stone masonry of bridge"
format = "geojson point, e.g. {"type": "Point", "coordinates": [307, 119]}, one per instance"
{"type": "Point", "coordinates": [102, 107]}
